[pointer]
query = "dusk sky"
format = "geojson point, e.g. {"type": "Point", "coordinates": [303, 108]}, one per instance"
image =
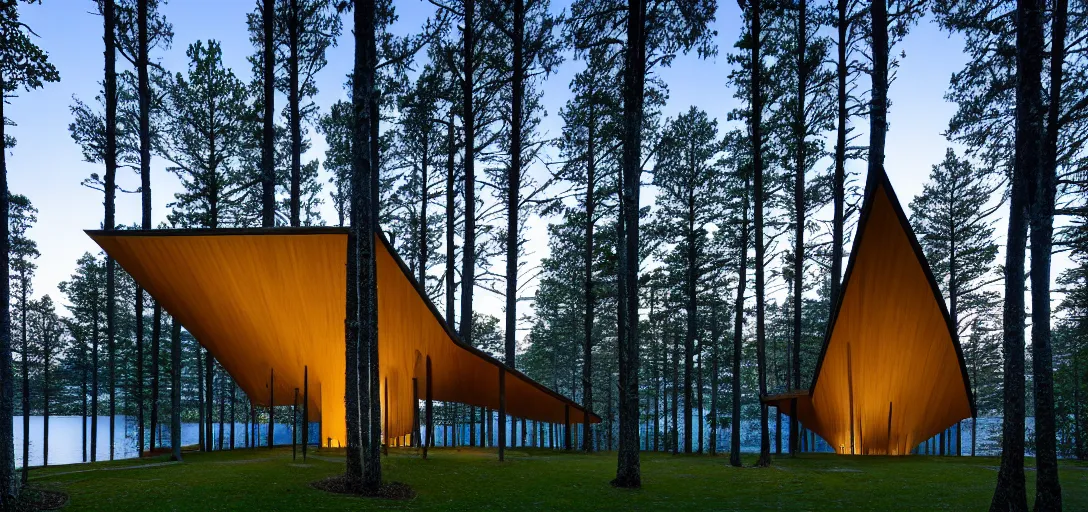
{"type": "Point", "coordinates": [48, 167]}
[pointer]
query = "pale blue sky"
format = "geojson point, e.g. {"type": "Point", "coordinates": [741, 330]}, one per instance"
{"type": "Point", "coordinates": [47, 166]}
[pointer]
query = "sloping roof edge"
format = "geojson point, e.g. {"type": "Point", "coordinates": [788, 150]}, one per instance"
{"type": "Point", "coordinates": [878, 177]}
{"type": "Point", "coordinates": [332, 230]}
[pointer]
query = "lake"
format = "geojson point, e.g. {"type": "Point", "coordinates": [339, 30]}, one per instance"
{"type": "Point", "coordinates": [66, 437]}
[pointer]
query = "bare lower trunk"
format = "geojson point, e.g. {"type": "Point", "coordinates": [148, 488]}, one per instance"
{"type": "Point", "coordinates": [8, 488]}
{"type": "Point", "coordinates": [175, 390]}
{"type": "Point", "coordinates": [156, 333]}
{"type": "Point", "coordinates": [200, 383]}
{"type": "Point", "coordinates": [451, 218]}
{"type": "Point", "coordinates": [209, 404]}
{"type": "Point", "coordinates": [139, 371]}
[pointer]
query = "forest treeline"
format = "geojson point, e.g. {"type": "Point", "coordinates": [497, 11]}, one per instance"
{"type": "Point", "coordinates": [671, 316]}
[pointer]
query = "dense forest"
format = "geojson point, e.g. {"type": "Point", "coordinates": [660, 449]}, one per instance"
{"type": "Point", "coordinates": [669, 316]}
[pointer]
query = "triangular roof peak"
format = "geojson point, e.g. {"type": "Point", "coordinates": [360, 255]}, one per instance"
{"type": "Point", "coordinates": [891, 372]}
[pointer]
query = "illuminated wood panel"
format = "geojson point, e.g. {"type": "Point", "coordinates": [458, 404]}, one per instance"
{"type": "Point", "coordinates": [891, 373]}
{"type": "Point", "coordinates": [273, 300]}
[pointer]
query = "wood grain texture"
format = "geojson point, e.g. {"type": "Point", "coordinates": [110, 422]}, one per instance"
{"type": "Point", "coordinates": [261, 299]}
{"type": "Point", "coordinates": [906, 366]}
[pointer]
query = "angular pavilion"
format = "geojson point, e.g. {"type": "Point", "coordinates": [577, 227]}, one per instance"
{"type": "Point", "coordinates": [269, 304]}
{"type": "Point", "coordinates": [891, 373]}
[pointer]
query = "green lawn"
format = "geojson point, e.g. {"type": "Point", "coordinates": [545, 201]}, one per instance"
{"type": "Point", "coordinates": [472, 479]}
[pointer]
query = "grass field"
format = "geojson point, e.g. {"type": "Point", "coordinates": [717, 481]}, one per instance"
{"type": "Point", "coordinates": [472, 479]}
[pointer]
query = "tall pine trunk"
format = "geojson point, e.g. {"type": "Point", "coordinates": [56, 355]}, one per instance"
{"type": "Point", "coordinates": [691, 318]}
{"type": "Point", "coordinates": [628, 471]}
{"type": "Point", "coordinates": [175, 389]}
{"type": "Point", "coordinates": [24, 283]}
{"type": "Point", "coordinates": [209, 403]}
{"type": "Point", "coordinates": [838, 192]}
{"type": "Point", "coordinates": [364, 210]}
{"type": "Point", "coordinates": [799, 208]}
{"type": "Point", "coordinates": [1048, 492]}
{"type": "Point", "coordinates": [139, 371]}
{"type": "Point", "coordinates": [111, 193]}
{"type": "Point", "coordinates": [699, 399]}
{"type": "Point", "coordinates": [145, 220]}
{"type": "Point", "coordinates": [8, 488]}
{"type": "Point", "coordinates": [715, 357]}
{"type": "Point", "coordinates": [878, 110]}
{"type": "Point", "coordinates": [676, 394]}
{"type": "Point", "coordinates": [423, 203]}
{"type": "Point", "coordinates": [95, 305]}
{"type": "Point", "coordinates": [156, 333]}
{"type": "Point", "coordinates": [83, 389]}
{"type": "Point", "coordinates": [513, 189]}
{"type": "Point", "coordinates": [222, 415]}
{"type": "Point", "coordinates": [757, 163]}
{"type": "Point", "coordinates": [268, 131]}
{"type": "Point", "coordinates": [451, 220]}
{"type": "Point", "coordinates": [657, 348]}
{"type": "Point", "coordinates": [468, 252]}
{"type": "Point", "coordinates": [1010, 493]}
{"type": "Point", "coordinates": [200, 383]}
{"type": "Point", "coordinates": [45, 403]}
{"type": "Point", "coordinates": [293, 105]}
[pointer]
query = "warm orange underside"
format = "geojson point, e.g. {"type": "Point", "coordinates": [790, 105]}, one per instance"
{"type": "Point", "coordinates": [891, 345]}
{"type": "Point", "coordinates": [271, 301]}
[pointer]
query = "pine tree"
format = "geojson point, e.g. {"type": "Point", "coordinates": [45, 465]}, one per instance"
{"type": "Point", "coordinates": [140, 28]}
{"type": "Point", "coordinates": [590, 125]}
{"type": "Point", "coordinates": [529, 27]}
{"type": "Point", "coordinates": [22, 66]}
{"type": "Point", "coordinates": [306, 30]}
{"type": "Point", "coordinates": [689, 185]}
{"type": "Point", "coordinates": [84, 291]}
{"type": "Point", "coordinates": [202, 139]}
{"type": "Point", "coordinates": [48, 341]}
{"type": "Point", "coordinates": [952, 218]}
{"type": "Point", "coordinates": [417, 153]}
{"type": "Point", "coordinates": [626, 35]}
{"type": "Point", "coordinates": [21, 217]}
{"type": "Point", "coordinates": [1010, 493]}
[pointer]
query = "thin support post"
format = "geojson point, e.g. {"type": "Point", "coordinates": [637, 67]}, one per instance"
{"type": "Point", "coordinates": [305, 410]}
{"type": "Point", "coordinates": [386, 411]}
{"type": "Point", "coordinates": [429, 408]}
{"type": "Point", "coordinates": [502, 414]}
{"type": "Point", "coordinates": [414, 441]}
{"type": "Point", "coordinates": [566, 427]}
{"type": "Point", "coordinates": [850, 388]}
{"type": "Point", "coordinates": [889, 428]}
{"type": "Point", "coordinates": [271, 404]}
{"type": "Point", "coordinates": [294, 427]}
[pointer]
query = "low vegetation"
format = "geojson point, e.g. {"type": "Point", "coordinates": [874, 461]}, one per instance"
{"type": "Point", "coordinates": [473, 479]}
